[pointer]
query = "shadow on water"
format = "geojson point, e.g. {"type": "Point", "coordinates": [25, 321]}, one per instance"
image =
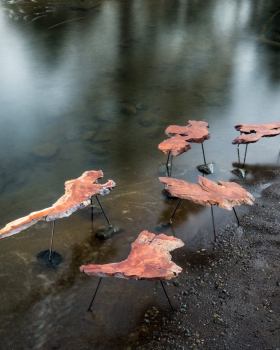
{"type": "Point", "coordinates": [87, 87]}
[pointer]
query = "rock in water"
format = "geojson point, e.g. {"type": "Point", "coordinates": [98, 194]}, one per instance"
{"type": "Point", "coordinates": [206, 169]}
{"type": "Point", "coordinates": [149, 258]}
{"type": "Point", "coordinates": [226, 195]}
{"type": "Point", "coordinates": [45, 151]}
{"type": "Point", "coordinates": [107, 232]}
{"type": "Point", "coordinates": [240, 172]}
{"type": "Point", "coordinates": [78, 193]}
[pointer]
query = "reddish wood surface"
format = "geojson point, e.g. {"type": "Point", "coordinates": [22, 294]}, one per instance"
{"type": "Point", "coordinates": [77, 195]}
{"type": "Point", "coordinates": [176, 145]}
{"type": "Point", "coordinates": [206, 192]}
{"type": "Point", "coordinates": [149, 259]}
{"type": "Point", "coordinates": [195, 131]}
{"type": "Point", "coordinates": [251, 133]}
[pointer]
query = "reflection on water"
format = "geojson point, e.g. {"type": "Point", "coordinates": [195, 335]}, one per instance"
{"type": "Point", "coordinates": [89, 87]}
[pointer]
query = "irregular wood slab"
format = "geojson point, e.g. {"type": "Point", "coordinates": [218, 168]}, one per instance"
{"type": "Point", "coordinates": [78, 193]}
{"type": "Point", "coordinates": [176, 145]}
{"type": "Point", "coordinates": [248, 128]}
{"type": "Point", "coordinates": [149, 259]}
{"type": "Point", "coordinates": [195, 131]}
{"type": "Point", "coordinates": [206, 192]}
{"type": "Point", "coordinates": [251, 133]}
{"type": "Point", "coordinates": [247, 138]}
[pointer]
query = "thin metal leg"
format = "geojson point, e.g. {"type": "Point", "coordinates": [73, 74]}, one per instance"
{"type": "Point", "coordinates": [238, 153]}
{"type": "Point", "coordinates": [204, 158]}
{"type": "Point", "coordinates": [167, 164]}
{"type": "Point", "coordinates": [213, 223]}
{"type": "Point", "coordinates": [170, 165]}
{"type": "Point", "coordinates": [245, 155]}
{"type": "Point", "coordinates": [175, 210]}
{"type": "Point", "coordinates": [167, 297]}
{"type": "Point", "coordinates": [94, 295]}
{"type": "Point", "coordinates": [91, 204]}
{"type": "Point", "coordinates": [106, 217]}
{"type": "Point", "coordinates": [173, 231]}
{"type": "Point", "coordinates": [237, 219]}
{"type": "Point", "coordinates": [51, 242]}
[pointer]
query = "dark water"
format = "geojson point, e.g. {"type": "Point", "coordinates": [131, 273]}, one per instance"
{"type": "Point", "coordinates": [85, 87]}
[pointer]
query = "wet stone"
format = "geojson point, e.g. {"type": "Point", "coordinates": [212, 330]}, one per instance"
{"type": "Point", "coordinates": [107, 232]}
{"type": "Point", "coordinates": [241, 173]}
{"type": "Point", "coordinates": [206, 169]}
{"type": "Point", "coordinates": [146, 121]}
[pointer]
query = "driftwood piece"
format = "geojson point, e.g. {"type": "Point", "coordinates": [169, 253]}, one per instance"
{"type": "Point", "coordinates": [195, 131]}
{"type": "Point", "coordinates": [175, 145]}
{"type": "Point", "coordinates": [78, 193]}
{"type": "Point", "coordinates": [206, 192]}
{"type": "Point", "coordinates": [149, 259]}
{"type": "Point", "coordinates": [251, 133]}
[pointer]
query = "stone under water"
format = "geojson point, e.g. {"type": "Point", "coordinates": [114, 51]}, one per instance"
{"type": "Point", "coordinates": [206, 169]}
{"type": "Point", "coordinates": [251, 133]}
{"type": "Point", "coordinates": [78, 193]}
{"type": "Point", "coordinates": [175, 145]}
{"type": "Point", "coordinates": [196, 131]}
{"type": "Point", "coordinates": [149, 259]}
{"type": "Point", "coordinates": [226, 195]}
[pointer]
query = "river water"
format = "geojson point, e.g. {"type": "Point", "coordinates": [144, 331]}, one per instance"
{"type": "Point", "coordinates": [92, 85]}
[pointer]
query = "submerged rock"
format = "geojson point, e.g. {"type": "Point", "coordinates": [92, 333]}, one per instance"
{"type": "Point", "coordinates": [206, 169]}
{"type": "Point", "coordinates": [89, 135]}
{"type": "Point", "coordinates": [128, 109]}
{"type": "Point", "coordinates": [147, 121]}
{"type": "Point", "coordinates": [107, 232]}
{"type": "Point", "coordinates": [45, 151]}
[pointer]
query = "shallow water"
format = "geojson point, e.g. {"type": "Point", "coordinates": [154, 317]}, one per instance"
{"type": "Point", "coordinates": [93, 87]}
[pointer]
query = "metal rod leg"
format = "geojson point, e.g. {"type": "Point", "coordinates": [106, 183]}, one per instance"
{"type": "Point", "coordinates": [91, 204]}
{"type": "Point", "coordinates": [238, 154]}
{"type": "Point", "coordinates": [167, 297]}
{"type": "Point", "coordinates": [237, 219]}
{"type": "Point", "coordinates": [245, 155]}
{"type": "Point", "coordinates": [175, 210]}
{"type": "Point", "coordinates": [170, 165]}
{"type": "Point", "coordinates": [51, 242]}
{"type": "Point", "coordinates": [106, 217]}
{"type": "Point", "coordinates": [167, 163]}
{"type": "Point", "coordinates": [94, 295]}
{"type": "Point", "coordinates": [213, 223]}
{"type": "Point", "coordinates": [204, 158]}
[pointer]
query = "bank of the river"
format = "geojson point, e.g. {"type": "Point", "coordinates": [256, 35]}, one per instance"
{"type": "Point", "coordinates": [227, 298]}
